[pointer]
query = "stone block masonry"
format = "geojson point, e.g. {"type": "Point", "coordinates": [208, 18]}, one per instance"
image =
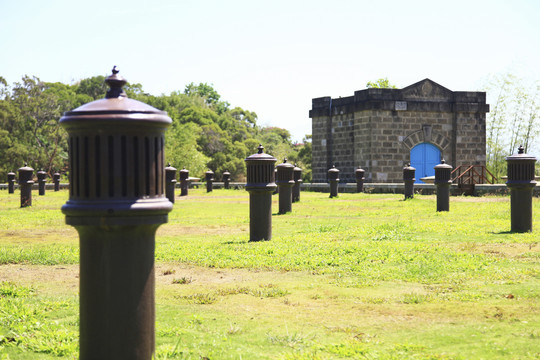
{"type": "Point", "coordinates": [377, 129]}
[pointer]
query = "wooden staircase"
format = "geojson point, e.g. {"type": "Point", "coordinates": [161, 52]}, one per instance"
{"type": "Point", "coordinates": [466, 176]}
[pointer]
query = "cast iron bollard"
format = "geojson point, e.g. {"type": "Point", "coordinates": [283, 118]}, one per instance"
{"type": "Point", "coordinates": [260, 185]}
{"type": "Point", "coordinates": [359, 174]}
{"type": "Point", "coordinates": [116, 203]}
{"type": "Point", "coordinates": [333, 178]}
{"type": "Point", "coordinates": [285, 182]}
{"type": "Point", "coordinates": [226, 179]}
{"type": "Point", "coordinates": [56, 180]}
{"type": "Point", "coordinates": [11, 182]}
{"type": "Point", "coordinates": [26, 174]}
{"type": "Point", "coordinates": [209, 176]}
{"type": "Point", "coordinates": [297, 184]}
{"type": "Point", "coordinates": [442, 182]}
{"type": "Point", "coordinates": [408, 179]}
{"type": "Point", "coordinates": [42, 179]}
{"type": "Point", "coordinates": [521, 184]}
{"type": "Point", "coordinates": [184, 182]}
{"type": "Point", "coordinates": [170, 182]}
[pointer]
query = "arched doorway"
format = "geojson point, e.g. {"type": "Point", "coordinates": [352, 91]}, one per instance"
{"type": "Point", "coordinates": [424, 157]}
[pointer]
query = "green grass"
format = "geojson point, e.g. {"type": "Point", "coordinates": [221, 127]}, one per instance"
{"type": "Point", "coordinates": [363, 276]}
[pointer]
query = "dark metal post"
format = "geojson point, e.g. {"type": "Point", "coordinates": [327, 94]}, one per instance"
{"type": "Point", "coordinates": [442, 182]}
{"type": "Point", "coordinates": [226, 179]}
{"type": "Point", "coordinates": [333, 178]}
{"type": "Point", "coordinates": [260, 185]}
{"type": "Point", "coordinates": [285, 182]}
{"type": "Point", "coordinates": [520, 171]}
{"type": "Point", "coordinates": [297, 184]}
{"type": "Point", "coordinates": [116, 203]}
{"type": "Point", "coordinates": [184, 182]}
{"type": "Point", "coordinates": [408, 179]}
{"type": "Point", "coordinates": [26, 174]}
{"type": "Point", "coordinates": [56, 180]}
{"type": "Point", "coordinates": [170, 182]}
{"type": "Point", "coordinates": [359, 174]}
{"type": "Point", "coordinates": [209, 176]}
{"type": "Point", "coordinates": [11, 182]}
{"type": "Point", "coordinates": [42, 179]}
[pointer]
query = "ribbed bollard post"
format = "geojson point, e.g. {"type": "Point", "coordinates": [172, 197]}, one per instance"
{"type": "Point", "coordinates": [116, 203]}
{"type": "Point", "coordinates": [170, 182]}
{"type": "Point", "coordinates": [442, 182]}
{"type": "Point", "coordinates": [297, 184]}
{"type": "Point", "coordinates": [56, 180]}
{"type": "Point", "coordinates": [285, 182]}
{"type": "Point", "coordinates": [42, 179]}
{"type": "Point", "coordinates": [260, 185]}
{"type": "Point", "coordinates": [184, 182]}
{"type": "Point", "coordinates": [226, 179]}
{"type": "Point", "coordinates": [209, 177]}
{"type": "Point", "coordinates": [333, 178]}
{"type": "Point", "coordinates": [520, 171]}
{"type": "Point", "coordinates": [408, 180]}
{"type": "Point", "coordinates": [11, 182]}
{"type": "Point", "coordinates": [359, 175]}
{"type": "Point", "coordinates": [26, 182]}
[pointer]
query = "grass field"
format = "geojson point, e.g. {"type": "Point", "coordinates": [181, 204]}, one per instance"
{"type": "Point", "coordinates": [361, 276]}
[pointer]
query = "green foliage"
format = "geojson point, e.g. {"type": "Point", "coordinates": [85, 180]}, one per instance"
{"type": "Point", "coordinates": [205, 132]}
{"type": "Point", "coordinates": [382, 83]}
{"type": "Point", "coordinates": [512, 120]}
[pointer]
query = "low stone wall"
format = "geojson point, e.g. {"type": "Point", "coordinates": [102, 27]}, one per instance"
{"type": "Point", "coordinates": [371, 188]}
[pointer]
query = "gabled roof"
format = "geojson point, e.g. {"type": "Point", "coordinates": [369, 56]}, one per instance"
{"type": "Point", "coordinates": [427, 90]}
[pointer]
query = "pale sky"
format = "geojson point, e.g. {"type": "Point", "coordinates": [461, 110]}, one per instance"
{"type": "Point", "coordinates": [271, 57]}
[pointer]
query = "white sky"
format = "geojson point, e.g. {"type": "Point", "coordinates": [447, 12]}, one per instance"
{"type": "Point", "coordinates": [271, 57]}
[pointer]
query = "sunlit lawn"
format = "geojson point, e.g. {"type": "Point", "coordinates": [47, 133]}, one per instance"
{"type": "Point", "coordinates": [361, 276]}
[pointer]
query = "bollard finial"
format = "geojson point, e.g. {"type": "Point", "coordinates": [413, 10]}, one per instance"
{"type": "Point", "coordinates": [520, 149]}
{"type": "Point", "coordinates": [443, 161]}
{"type": "Point", "coordinates": [284, 160]}
{"type": "Point", "coordinates": [115, 83]}
{"type": "Point", "coordinates": [260, 149]}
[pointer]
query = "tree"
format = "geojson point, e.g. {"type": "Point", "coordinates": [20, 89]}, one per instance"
{"type": "Point", "coordinates": [381, 83]}
{"type": "Point", "coordinates": [512, 119]}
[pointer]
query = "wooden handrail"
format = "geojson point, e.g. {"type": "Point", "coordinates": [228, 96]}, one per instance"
{"type": "Point", "coordinates": [468, 174]}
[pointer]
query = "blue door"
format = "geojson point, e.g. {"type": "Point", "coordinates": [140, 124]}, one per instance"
{"type": "Point", "coordinates": [424, 157]}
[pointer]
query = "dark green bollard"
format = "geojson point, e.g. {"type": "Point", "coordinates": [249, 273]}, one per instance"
{"type": "Point", "coordinates": [408, 180]}
{"type": "Point", "coordinates": [285, 182]}
{"type": "Point", "coordinates": [26, 182]}
{"type": "Point", "coordinates": [442, 182]}
{"type": "Point", "coordinates": [260, 185]}
{"type": "Point", "coordinates": [333, 178]}
{"type": "Point", "coordinates": [359, 175]}
{"type": "Point", "coordinates": [521, 184]}
{"type": "Point", "coordinates": [116, 203]}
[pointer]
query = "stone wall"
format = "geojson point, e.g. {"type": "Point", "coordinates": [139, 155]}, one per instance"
{"type": "Point", "coordinates": [377, 128]}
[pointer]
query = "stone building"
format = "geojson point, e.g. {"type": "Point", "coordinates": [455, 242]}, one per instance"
{"type": "Point", "coordinates": [381, 130]}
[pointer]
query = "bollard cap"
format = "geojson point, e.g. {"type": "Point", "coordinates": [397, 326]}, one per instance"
{"type": "Point", "coordinates": [260, 171]}
{"type": "Point", "coordinates": [521, 169]}
{"type": "Point", "coordinates": [170, 168]}
{"type": "Point", "coordinates": [443, 165]}
{"type": "Point", "coordinates": [226, 173]}
{"type": "Point", "coordinates": [116, 159]}
{"type": "Point", "coordinates": [116, 108]}
{"type": "Point", "coordinates": [285, 173]}
{"type": "Point", "coordinates": [26, 168]}
{"type": "Point", "coordinates": [260, 156]}
{"type": "Point", "coordinates": [409, 172]}
{"type": "Point", "coordinates": [333, 173]}
{"type": "Point", "coordinates": [521, 156]}
{"type": "Point", "coordinates": [443, 173]}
